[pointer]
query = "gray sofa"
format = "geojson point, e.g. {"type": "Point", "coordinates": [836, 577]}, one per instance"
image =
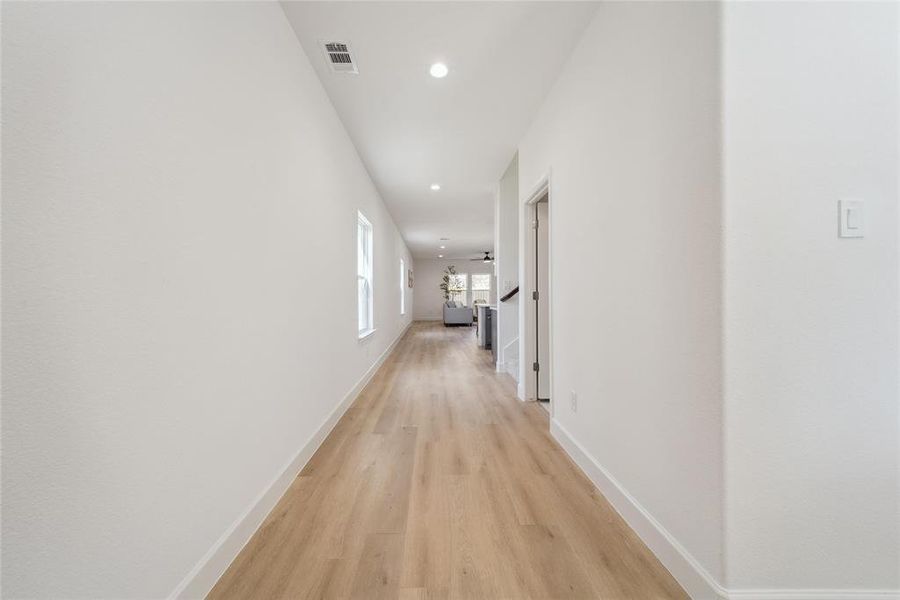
{"type": "Point", "coordinates": [457, 315]}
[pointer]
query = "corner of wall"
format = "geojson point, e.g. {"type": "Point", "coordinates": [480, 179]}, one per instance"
{"type": "Point", "coordinates": [686, 569]}
{"type": "Point", "coordinates": [203, 577]}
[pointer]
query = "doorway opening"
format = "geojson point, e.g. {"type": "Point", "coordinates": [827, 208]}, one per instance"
{"type": "Point", "coordinates": [538, 340]}
{"type": "Point", "coordinates": [541, 298]}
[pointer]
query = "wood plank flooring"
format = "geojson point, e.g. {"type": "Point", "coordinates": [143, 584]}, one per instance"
{"type": "Point", "coordinates": [437, 484]}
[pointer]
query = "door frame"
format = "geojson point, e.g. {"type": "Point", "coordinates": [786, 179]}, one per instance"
{"type": "Point", "coordinates": [527, 322]}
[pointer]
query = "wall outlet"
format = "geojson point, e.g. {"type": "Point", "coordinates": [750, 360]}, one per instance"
{"type": "Point", "coordinates": [573, 401]}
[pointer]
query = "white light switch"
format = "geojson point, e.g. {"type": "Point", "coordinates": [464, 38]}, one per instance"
{"type": "Point", "coordinates": [852, 217]}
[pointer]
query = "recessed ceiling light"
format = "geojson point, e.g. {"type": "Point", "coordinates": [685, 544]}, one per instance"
{"type": "Point", "coordinates": [442, 247]}
{"type": "Point", "coordinates": [440, 256]}
{"type": "Point", "coordinates": [439, 70]}
{"type": "Point", "coordinates": [435, 187]}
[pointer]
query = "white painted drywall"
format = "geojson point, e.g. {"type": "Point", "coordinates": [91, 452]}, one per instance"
{"type": "Point", "coordinates": [179, 294]}
{"type": "Point", "coordinates": [810, 114]}
{"type": "Point", "coordinates": [631, 133]}
{"type": "Point", "coordinates": [506, 242]}
{"type": "Point", "coordinates": [413, 130]}
{"type": "Point", "coordinates": [428, 275]}
{"type": "Point", "coordinates": [653, 262]}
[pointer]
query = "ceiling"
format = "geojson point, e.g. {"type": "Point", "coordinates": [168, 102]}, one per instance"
{"type": "Point", "coordinates": [461, 131]}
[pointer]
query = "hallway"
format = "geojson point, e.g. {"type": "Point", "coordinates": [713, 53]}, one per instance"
{"type": "Point", "coordinates": [233, 232]}
{"type": "Point", "coordinates": [439, 483]}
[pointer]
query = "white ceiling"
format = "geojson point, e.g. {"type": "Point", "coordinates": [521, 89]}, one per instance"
{"type": "Point", "coordinates": [413, 130]}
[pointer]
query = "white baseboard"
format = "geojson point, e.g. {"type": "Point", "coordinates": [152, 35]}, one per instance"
{"type": "Point", "coordinates": [693, 577]}
{"type": "Point", "coordinates": [201, 579]}
{"type": "Point", "coordinates": [846, 594]}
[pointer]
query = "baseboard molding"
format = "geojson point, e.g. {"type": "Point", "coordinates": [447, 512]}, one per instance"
{"type": "Point", "coordinates": [847, 594]}
{"type": "Point", "coordinates": [201, 579]}
{"type": "Point", "coordinates": [693, 577]}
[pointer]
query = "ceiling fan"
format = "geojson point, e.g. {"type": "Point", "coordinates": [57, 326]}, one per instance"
{"type": "Point", "coordinates": [486, 259]}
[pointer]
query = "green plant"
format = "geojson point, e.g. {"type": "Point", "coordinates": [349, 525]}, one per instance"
{"type": "Point", "coordinates": [449, 273]}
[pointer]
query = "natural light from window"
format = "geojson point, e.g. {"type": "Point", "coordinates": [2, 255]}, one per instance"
{"type": "Point", "coordinates": [458, 288]}
{"type": "Point", "coordinates": [481, 288]}
{"type": "Point", "coordinates": [365, 297]}
{"type": "Point", "coordinates": [402, 287]}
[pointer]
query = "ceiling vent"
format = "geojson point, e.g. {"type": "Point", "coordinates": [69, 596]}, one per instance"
{"type": "Point", "coordinates": [339, 58]}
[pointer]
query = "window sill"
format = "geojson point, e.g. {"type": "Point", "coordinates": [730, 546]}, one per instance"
{"type": "Point", "coordinates": [364, 334]}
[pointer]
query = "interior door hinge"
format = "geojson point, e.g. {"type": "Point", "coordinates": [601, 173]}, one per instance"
{"type": "Point", "coordinates": [534, 224]}
{"type": "Point", "coordinates": [536, 367]}
{"type": "Point", "coordinates": [534, 295]}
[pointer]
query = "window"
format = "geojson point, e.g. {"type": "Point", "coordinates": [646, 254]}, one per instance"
{"type": "Point", "coordinates": [364, 289]}
{"type": "Point", "coordinates": [402, 287]}
{"type": "Point", "coordinates": [481, 288]}
{"type": "Point", "coordinates": [458, 288]}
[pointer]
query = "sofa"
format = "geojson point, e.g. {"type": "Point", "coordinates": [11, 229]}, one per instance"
{"type": "Point", "coordinates": [457, 315]}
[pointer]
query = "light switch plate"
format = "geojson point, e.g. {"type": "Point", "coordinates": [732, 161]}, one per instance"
{"type": "Point", "coordinates": [852, 218]}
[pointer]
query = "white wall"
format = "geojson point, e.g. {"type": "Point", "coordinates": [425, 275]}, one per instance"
{"type": "Point", "coordinates": [810, 113]}
{"type": "Point", "coordinates": [735, 361]}
{"type": "Point", "coordinates": [630, 132]}
{"type": "Point", "coordinates": [506, 242]}
{"type": "Point", "coordinates": [428, 274]}
{"type": "Point", "coordinates": [179, 218]}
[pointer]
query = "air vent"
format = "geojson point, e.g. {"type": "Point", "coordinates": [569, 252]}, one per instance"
{"type": "Point", "coordinates": [339, 57]}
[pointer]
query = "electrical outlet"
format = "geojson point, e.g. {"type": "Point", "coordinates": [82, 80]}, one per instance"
{"type": "Point", "coordinates": [573, 401]}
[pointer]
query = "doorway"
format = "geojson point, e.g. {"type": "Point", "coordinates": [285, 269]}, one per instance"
{"type": "Point", "coordinates": [541, 299]}
{"type": "Point", "coordinates": [536, 274]}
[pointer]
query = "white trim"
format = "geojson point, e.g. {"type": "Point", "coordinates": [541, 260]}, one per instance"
{"type": "Point", "coordinates": [403, 284]}
{"type": "Point", "coordinates": [526, 380]}
{"type": "Point", "coordinates": [693, 577]}
{"type": "Point", "coordinates": [538, 190]}
{"type": "Point", "coordinates": [847, 594]}
{"type": "Point", "coordinates": [364, 334]}
{"type": "Point", "coordinates": [369, 277]}
{"type": "Point", "coordinates": [527, 352]}
{"type": "Point", "coordinates": [201, 579]}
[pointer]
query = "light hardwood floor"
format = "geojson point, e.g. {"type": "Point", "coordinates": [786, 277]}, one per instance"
{"type": "Point", "coordinates": [439, 483]}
